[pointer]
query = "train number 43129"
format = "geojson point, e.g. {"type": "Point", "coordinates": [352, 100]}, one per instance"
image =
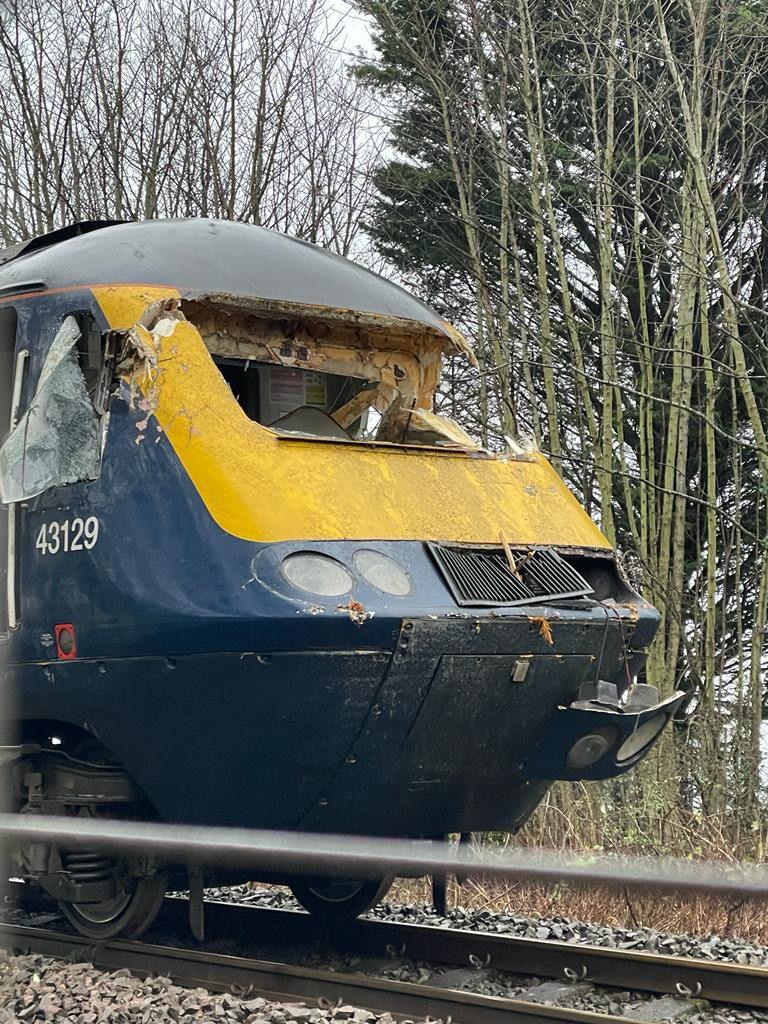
{"type": "Point", "coordinates": [70, 535]}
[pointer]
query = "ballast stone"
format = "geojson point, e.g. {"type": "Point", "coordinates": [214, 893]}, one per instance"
{"type": "Point", "coordinates": [556, 993]}
{"type": "Point", "coordinates": [665, 1008]}
{"type": "Point", "coordinates": [455, 978]}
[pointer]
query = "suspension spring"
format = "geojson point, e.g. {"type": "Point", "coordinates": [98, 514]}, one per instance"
{"type": "Point", "coordinates": [88, 866]}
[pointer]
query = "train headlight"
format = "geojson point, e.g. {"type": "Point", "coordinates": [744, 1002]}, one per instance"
{"type": "Point", "coordinates": [316, 574]}
{"type": "Point", "coordinates": [643, 735]}
{"type": "Point", "coordinates": [382, 572]}
{"type": "Point", "coordinates": [590, 748]}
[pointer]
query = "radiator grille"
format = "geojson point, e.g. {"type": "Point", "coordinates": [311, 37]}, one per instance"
{"type": "Point", "coordinates": [483, 576]}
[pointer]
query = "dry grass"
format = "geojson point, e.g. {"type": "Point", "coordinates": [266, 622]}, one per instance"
{"type": "Point", "coordinates": [631, 816]}
{"type": "Point", "coordinates": [616, 907]}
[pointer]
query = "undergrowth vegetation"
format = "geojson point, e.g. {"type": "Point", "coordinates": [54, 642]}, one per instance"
{"type": "Point", "coordinates": [618, 907]}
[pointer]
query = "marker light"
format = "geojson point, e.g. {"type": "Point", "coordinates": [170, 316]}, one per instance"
{"type": "Point", "coordinates": [643, 735]}
{"type": "Point", "coordinates": [316, 574]}
{"type": "Point", "coordinates": [590, 748]}
{"type": "Point", "coordinates": [66, 644]}
{"type": "Point", "coordinates": [382, 572]}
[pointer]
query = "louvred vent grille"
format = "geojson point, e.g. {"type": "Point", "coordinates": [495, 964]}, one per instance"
{"type": "Point", "coordinates": [484, 576]}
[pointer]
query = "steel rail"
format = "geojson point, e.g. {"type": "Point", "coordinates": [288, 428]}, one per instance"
{"type": "Point", "coordinates": [651, 972]}
{"type": "Point", "coordinates": [287, 982]}
{"type": "Point", "coordinates": [717, 981]}
{"type": "Point", "coordinates": [296, 853]}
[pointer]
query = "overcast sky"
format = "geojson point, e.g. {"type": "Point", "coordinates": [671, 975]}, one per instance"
{"type": "Point", "coordinates": [355, 32]}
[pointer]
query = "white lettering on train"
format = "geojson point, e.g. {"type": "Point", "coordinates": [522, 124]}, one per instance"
{"type": "Point", "coordinates": [75, 535]}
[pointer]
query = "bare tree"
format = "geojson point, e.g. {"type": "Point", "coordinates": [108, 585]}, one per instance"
{"type": "Point", "coordinates": [241, 109]}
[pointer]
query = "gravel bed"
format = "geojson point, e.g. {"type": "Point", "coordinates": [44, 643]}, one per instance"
{"type": "Point", "coordinates": [712, 947]}
{"type": "Point", "coordinates": [37, 988]}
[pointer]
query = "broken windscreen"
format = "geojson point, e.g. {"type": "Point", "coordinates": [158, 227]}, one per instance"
{"type": "Point", "coordinates": [58, 440]}
{"type": "Point", "coordinates": [337, 381]}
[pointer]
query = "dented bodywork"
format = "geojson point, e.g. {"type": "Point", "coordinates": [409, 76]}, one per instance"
{"type": "Point", "coordinates": [364, 486]}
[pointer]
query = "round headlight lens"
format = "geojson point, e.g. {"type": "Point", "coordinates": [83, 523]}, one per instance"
{"type": "Point", "coordinates": [642, 736]}
{"type": "Point", "coordinates": [590, 748]}
{"type": "Point", "coordinates": [316, 574]}
{"type": "Point", "coordinates": [382, 572]}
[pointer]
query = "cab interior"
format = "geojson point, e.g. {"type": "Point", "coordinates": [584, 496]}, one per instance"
{"type": "Point", "coordinates": [333, 378]}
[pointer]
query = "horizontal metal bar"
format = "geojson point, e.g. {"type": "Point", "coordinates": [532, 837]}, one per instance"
{"type": "Point", "coordinates": [293, 853]}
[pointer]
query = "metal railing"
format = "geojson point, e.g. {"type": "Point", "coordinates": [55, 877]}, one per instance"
{"type": "Point", "coordinates": [297, 853]}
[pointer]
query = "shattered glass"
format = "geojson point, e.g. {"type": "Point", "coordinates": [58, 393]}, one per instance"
{"type": "Point", "coordinates": [57, 440]}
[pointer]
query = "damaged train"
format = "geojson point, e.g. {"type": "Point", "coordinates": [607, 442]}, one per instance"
{"type": "Point", "coordinates": [254, 579]}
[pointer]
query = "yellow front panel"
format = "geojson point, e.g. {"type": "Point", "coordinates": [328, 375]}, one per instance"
{"type": "Point", "coordinates": [261, 488]}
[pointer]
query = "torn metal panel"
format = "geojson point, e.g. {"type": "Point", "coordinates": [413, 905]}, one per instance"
{"type": "Point", "coordinates": [301, 344]}
{"type": "Point", "coordinates": [388, 330]}
{"type": "Point", "coordinates": [400, 358]}
{"type": "Point", "coordinates": [57, 441]}
{"type": "Point", "coordinates": [420, 426]}
{"type": "Point", "coordinates": [379, 398]}
{"type": "Point", "coordinates": [323, 490]}
{"type": "Point", "coordinates": [138, 363]}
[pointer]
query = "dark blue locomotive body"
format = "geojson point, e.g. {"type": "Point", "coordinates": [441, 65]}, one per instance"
{"type": "Point", "coordinates": [162, 638]}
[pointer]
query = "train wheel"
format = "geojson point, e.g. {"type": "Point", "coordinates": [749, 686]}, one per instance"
{"type": "Point", "coordinates": [340, 899]}
{"type": "Point", "coordinates": [127, 915]}
{"type": "Point", "coordinates": [135, 907]}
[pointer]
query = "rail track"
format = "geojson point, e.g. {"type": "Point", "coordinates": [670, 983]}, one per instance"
{"type": "Point", "coordinates": [162, 952]}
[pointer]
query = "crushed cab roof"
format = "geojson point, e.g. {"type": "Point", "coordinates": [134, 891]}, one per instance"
{"type": "Point", "coordinates": [207, 257]}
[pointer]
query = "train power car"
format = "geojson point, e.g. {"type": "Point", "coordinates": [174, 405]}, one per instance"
{"type": "Point", "coordinates": [254, 579]}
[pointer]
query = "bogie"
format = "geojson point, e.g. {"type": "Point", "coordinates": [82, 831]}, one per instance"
{"type": "Point", "coordinates": [337, 900]}
{"type": "Point", "coordinates": [128, 915]}
{"type": "Point", "coordinates": [103, 896]}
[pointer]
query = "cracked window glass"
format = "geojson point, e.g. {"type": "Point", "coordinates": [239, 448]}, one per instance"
{"type": "Point", "coordinates": [57, 440]}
